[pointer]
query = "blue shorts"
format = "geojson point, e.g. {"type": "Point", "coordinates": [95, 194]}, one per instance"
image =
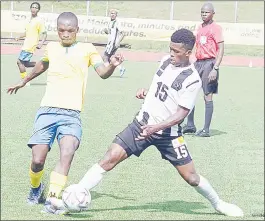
{"type": "Point", "coordinates": [51, 122]}
{"type": "Point", "coordinates": [25, 56]}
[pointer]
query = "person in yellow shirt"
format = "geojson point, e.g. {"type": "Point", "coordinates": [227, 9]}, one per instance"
{"type": "Point", "coordinates": [58, 117]}
{"type": "Point", "coordinates": [32, 32]}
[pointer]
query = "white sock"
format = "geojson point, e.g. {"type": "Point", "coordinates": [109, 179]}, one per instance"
{"type": "Point", "coordinates": [92, 177]}
{"type": "Point", "coordinates": [206, 190]}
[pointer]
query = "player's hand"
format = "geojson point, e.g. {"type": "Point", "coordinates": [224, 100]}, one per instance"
{"type": "Point", "coordinates": [141, 93]}
{"type": "Point", "coordinates": [116, 59]}
{"type": "Point", "coordinates": [39, 46]}
{"type": "Point", "coordinates": [212, 76]}
{"type": "Point", "coordinates": [148, 130]}
{"type": "Point", "coordinates": [15, 88]}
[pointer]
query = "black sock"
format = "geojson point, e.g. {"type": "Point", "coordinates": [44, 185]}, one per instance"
{"type": "Point", "coordinates": [190, 121]}
{"type": "Point", "coordinates": [208, 115]}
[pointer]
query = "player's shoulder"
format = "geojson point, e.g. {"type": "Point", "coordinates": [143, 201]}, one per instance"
{"type": "Point", "coordinates": [193, 78]}
{"type": "Point", "coordinates": [88, 47]}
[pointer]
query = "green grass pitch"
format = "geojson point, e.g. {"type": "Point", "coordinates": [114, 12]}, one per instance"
{"type": "Point", "coordinates": [146, 187]}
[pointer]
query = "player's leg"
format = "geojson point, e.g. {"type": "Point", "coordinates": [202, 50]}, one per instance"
{"type": "Point", "coordinates": [39, 154]}
{"type": "Point", "coordinates": [112, 157]}
{"type": "Point", "coordinates": [203, 187]}
{"type": "Point", "coordinates": [68, 145]}
{"type": "Point", "coordinates": [209, 88]}
{"type": "Point", "coordinates": [123, 146]}
{"type": "Point", "coordinates": [69, 133]}
{"type": "Point", "coordinates": [40, 142]}
{"type": "Point", "coordinates": [176, 152]}
{"type": "Point", "coordinates": [23, 62]}
{"type": "Point", "coordinates": [69, 136]}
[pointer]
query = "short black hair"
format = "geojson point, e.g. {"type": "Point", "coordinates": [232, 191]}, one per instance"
{"type": "Point", "coordinates": [184, 36]}
{"type": "Point", "coordinates": [35, 3]}
{"type": "Point", "coordinates": [68, 15]}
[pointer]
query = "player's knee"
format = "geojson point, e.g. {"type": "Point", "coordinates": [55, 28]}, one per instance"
{"type": "Point", "coordinates": [112, 158]}
{"type": "Point", "coordinates": [68, 151]}
{"type": "Point", "coordinates": [37, 164]}
{"type": "Point", "coordinates": [192, 179]}
{"type": "Point", "coordinates": [68, 145]}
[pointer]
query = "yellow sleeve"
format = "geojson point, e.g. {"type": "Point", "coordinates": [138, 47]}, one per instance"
{"type": "Point", "coordinates": [93, 57]}
{"type": "Point", "coordinates": [42, 28]}
{"type": "Point", "coordinates": [45, 57]}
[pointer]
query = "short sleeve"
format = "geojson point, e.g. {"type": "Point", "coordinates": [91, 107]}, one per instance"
{"type": "Point", "coordinates": [42, 28]}
{"type": "Point", "coordinates": [189, 94]}
{"type": "Point", "coordinates": [45, 57]}
{"type": "Point", "coordinates": [93, 57]}
{"type": "Point", "coordinates": [218, 34]}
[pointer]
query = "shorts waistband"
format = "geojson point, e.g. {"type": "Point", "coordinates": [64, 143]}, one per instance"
{"type": "Point", "coordinates": [206, 59]}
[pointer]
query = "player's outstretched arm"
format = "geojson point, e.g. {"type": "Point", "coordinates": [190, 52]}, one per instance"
{"type": "Point", "coordinates": [39, 68]}
{"type": "Point", "coordinates": [105, 71]}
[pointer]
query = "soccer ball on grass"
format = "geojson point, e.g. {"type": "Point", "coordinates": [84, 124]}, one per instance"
{"type": "Point", "coordinates": [76, 198]}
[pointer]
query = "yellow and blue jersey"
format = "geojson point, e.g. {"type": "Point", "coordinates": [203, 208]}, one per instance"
{"type": "Point", "coordinates": [68, 73]}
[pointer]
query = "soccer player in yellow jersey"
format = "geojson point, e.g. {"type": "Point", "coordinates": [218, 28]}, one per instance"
{"type": "Point", "coordinates": [58, 117]}
{"type": "Point", "coordinates": [32, 32]}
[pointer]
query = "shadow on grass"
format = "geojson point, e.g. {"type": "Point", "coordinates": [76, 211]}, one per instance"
{"type": "Point", "coordinates": [96, 195]}
{"type": "Point", "coordinates": [213, 132]}
{"type": "Point", "coordinates": [217, 132]}
{"type": "Point", "coordinates": [115, 76]}
{"type": "Point", "coordinates": [177, 206]}
{"type": "Point", "coordinates": [38, 84]}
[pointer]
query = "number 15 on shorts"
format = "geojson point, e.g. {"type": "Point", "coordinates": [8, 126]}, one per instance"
{"type": "Point", "coordinates": [180, 148]}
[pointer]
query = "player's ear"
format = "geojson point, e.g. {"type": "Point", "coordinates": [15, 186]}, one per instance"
{"type": "Point", "coordinates": [188, 52]}
{"type": "Point", "coordinates": [77, 30]}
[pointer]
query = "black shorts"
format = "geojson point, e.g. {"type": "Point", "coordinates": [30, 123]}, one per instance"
{"type": "Point", "coordinates": [173, 149]}
{"type": "Point", "coordinates": [204, 67]}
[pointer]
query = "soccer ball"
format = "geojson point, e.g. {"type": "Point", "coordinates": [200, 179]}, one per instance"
{"type": "Point", "coordinates": [76, 198]}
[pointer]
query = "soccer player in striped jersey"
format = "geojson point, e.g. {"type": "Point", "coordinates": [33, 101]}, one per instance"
{"type": "Point", "coordinates": [33, 29]}
{"type": "Point", "coordinates": [115, 36]}
{"type": "Point", "coordinates": [58, 117]}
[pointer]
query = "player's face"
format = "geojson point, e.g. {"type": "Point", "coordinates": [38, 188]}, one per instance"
{"type": "Point", "coordinates": [113, 15]}
{"type": "Point", "coordinates": [206, 14]}
{"type": "Point", "coordinates": [34, 9]}
{"type": "Point", "coordinates": [178, 54]}
{"type": "Point", "coordinates": [67, 33]}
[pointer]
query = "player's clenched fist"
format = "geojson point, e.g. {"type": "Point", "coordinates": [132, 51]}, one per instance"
{"type": "Point", "coordinates": [116, 59]}
{"type": "Point", "coordinates": [141, 93]}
